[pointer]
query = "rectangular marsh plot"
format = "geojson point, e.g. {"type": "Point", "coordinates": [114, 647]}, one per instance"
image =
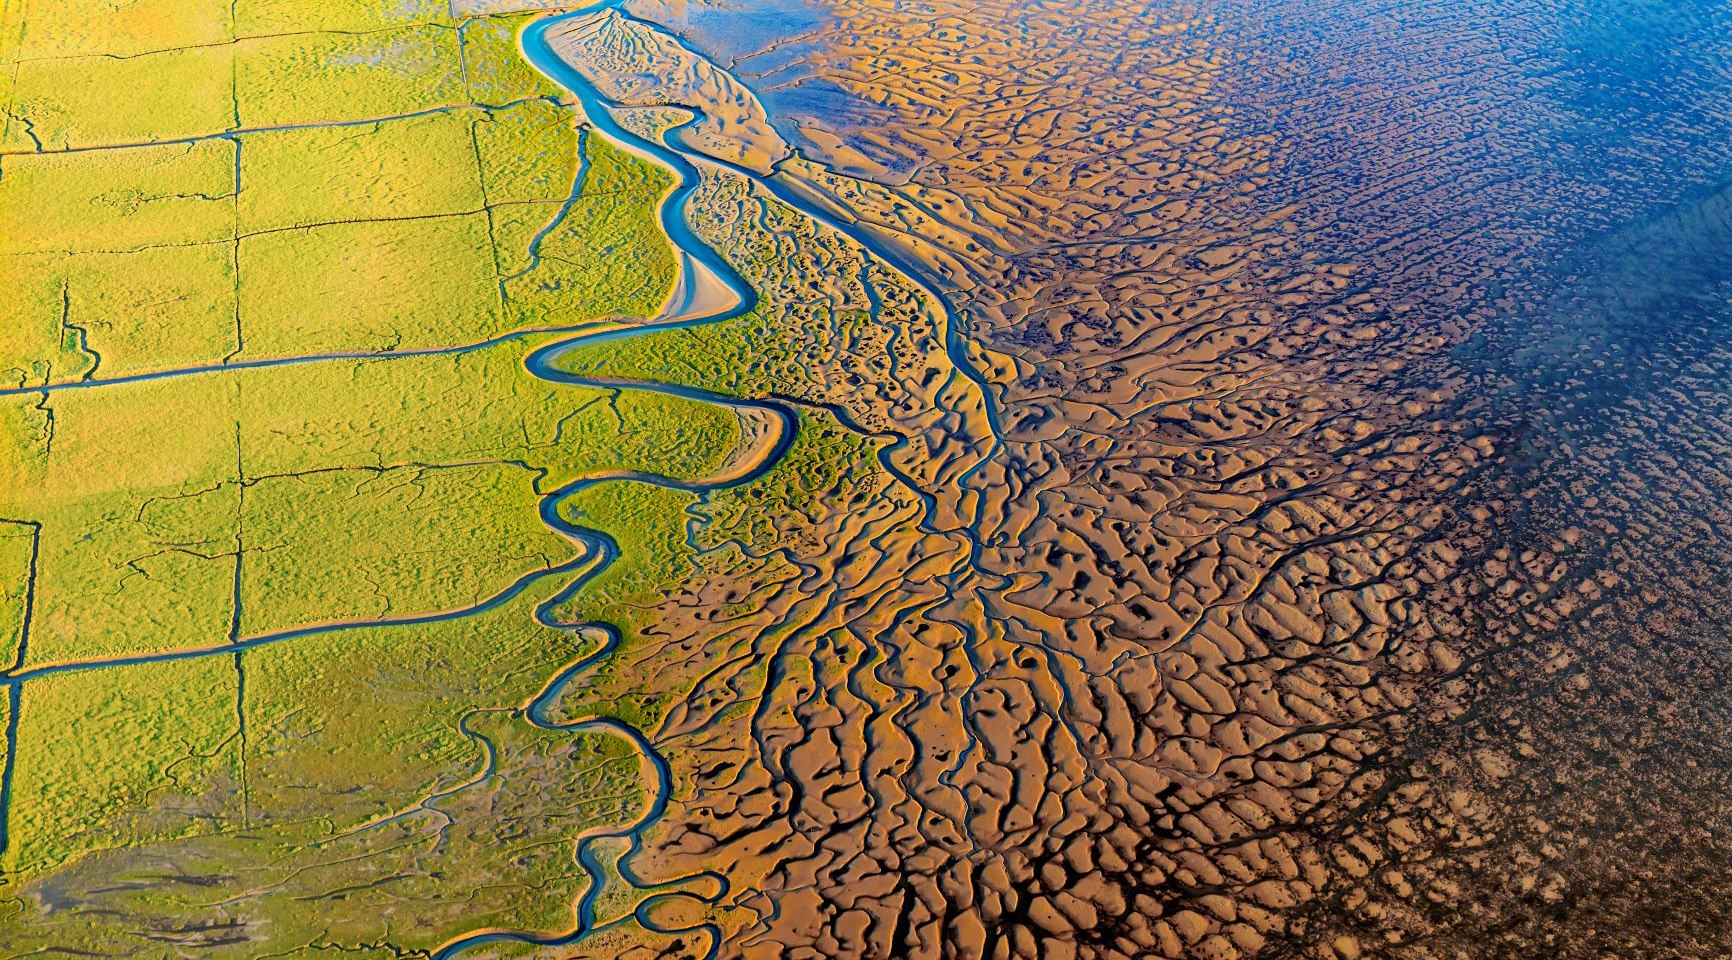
{"type": "Point", "coordinates": [124, 756]}
{"type": "Point", "coordinates": [604, 255]}
{"type": "Point", "coordinates": [334, 77]}
{"type": "Point", "coordinates": [350, 545]}
{"type": "Point", "coordinates": [471, 8]}
{"type": "Point", "coordinates": [376, 171]}
{"type": "Point", "coordinates": [35, 345]}
{"type": "Point", "coordinates": [118, 200]}
{"type": "Point", "coordinates": [257, 18]}
{"type": "Point", "coordinates": [99, 100]}
{"type": "Point", "coordinates": [120, 28]}
{"type": "Point", "coordinates": [369, 286]}
{"type": "Point", "coordinates": [496, 69]}
{"type": "Point", "coordinates": [152, 535]}
{"type": "Point", "coordinates": [358, 724]}
{"type": "Point", "coordinates": [105, 315]}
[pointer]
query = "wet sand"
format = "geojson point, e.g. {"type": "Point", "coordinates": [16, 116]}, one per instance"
{"type": "Point", "coordinates": [1206, 553]}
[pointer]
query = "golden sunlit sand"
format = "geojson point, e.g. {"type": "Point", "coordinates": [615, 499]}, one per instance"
{"type": "Point", "coordinates": [850, 479]}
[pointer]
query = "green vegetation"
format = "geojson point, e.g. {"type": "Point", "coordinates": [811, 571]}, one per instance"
{"type": "Point", "coordinates": [285, 584]}
{"type": "Point", "coordinates": [99, 100]}
{"type": "Point", "coordinates": [159, 307]}
{"type": "Point", "coordinates": [328, 77]}
{"type": "Point", "coordinates": [51, 29]}
{"type": "Point", "coordinates": [118, 200]}
{"type": "Point", "coordinates": [152, 535]}
{"type": "Point", "coordinates": [347, 266]}
{"type": "Point", "coordinates": [147, 753]}
{"type": "Point", "coordinates": [392, 170]}
{"type": "Point", "coordinates": [264, 18]}
{"type": "Point", "coordinates": [17, 561]}
{"type": "Point", "coordinates": [494, 70]}
{"type": "Point", "coordinates": [349, 491]}
{"type": "Point", "coordinates": [390, 200]}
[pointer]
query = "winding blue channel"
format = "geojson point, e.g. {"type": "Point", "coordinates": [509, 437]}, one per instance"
{"type": "Point", "coordinates": [602, 550]}
{"type": "Point", "coordinates": [537, 49]}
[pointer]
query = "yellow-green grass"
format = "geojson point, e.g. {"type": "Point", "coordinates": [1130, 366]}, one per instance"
{"type": "Point", "coordinates": [355, 543]}
{"type": "Point", "coordinates": [362, 766]}
{"type": "Point", "coordinates": [26, 433]}
{"type": "Point", "coordinates": [466, 8]}
{"type": "Point", "coordinates": [467, 407]}
{"type": "Point", "coordinates": [36, 346]}
{"type": "Point", "coordinates": [418, 167]}
{"type": "Point", "coordinates": [152, 535]}
{"type": "Point", "coordinates": [125, 251]}
{"type": "Point", "coordinates": [99, 100]}
{"type": "Point", "coordinates": [649, 525]}
{"type": "Point", "coordinates": [596, 259]}
{"type": "Point", "coordinates": [13, 135]}
{"type": "Point", "coordinates": [335, 787]}
{"type": "Point", "coordinates": [149, 752]}
{"type": "Point", "coordinates": [382, 706]}
{"type": "Point", "coordinates": [302, 78]}
{"type": "Point", "coordinates": [495, 70]}
{"type": "Point", "coordinates": [367, 276]}
{"type": "Point", "coordinates": [529, 153]}
{"type": "Point", "coordinates": [369, 286]}
{"type": "Point", "coordinates": [118, 200]}
{"type": "Point", "coordinates": [604, 257]}
{"type": "Point", "coordinates": [67, 28]}
{"type": "Point", "coordinates": [254, 18]}
{"type": "Point", "coordinates": [409, 715]}
{"type": "Point", "coordinates": [17, 552]}
{"type": "Point", "coordinates": [393, 793]}
{"type": "Point", "coordinates": [467, 443]}
{"type": "Point", "coordinates": [74, 316]}
{"type": "Point", "coordinates": [442, 258]}
{"type": "Point", "coordinates": [155, 535]}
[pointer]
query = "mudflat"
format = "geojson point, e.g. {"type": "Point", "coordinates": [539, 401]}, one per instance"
{"type": "Point", "coordinates": [854, 479]}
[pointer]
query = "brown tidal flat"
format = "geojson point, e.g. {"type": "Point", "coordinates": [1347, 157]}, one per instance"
{"type": "Point", "coordinates": [1153, 631]}
{"type": "Point", "coordinates": [1203, 610]}
{"type": "Point", "coordinates": [853, 479]}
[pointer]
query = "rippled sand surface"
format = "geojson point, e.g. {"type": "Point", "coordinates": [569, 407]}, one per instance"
{"type": "Point", "coordinates": [1190, 480]}
{"type": "Point", "coordinates": [1305, 530]}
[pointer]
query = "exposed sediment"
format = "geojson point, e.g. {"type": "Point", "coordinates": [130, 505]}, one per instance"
{"type": "Point", "coordinates": [1148, 648]}
{"type": "Point", "coordinates": [1192, 491]}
